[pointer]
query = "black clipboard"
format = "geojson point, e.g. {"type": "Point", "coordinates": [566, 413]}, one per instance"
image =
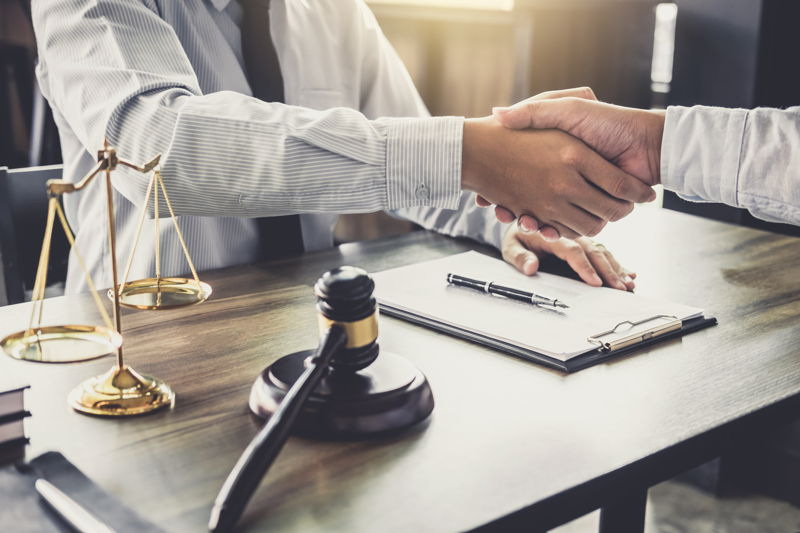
{"type": "Point", "coordinates": [604, 351]}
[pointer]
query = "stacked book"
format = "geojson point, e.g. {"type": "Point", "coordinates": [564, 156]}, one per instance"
{"type": "Point", "coordinates": [12, 420]}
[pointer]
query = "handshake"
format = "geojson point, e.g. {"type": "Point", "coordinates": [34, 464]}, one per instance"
{"type": "Point", "coordinates": [562, 163]}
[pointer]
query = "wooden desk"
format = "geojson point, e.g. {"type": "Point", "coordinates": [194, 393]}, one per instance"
{"type": "Point", "coordinates": [536, 450]}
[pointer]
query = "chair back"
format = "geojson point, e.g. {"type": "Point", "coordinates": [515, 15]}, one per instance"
{"type": "Point", "coordinates": [23, 217]}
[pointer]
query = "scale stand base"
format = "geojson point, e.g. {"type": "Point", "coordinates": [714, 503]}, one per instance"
{"type": "Point", "coordinates": [121, 392]}
{"type": "Point", "coordinates": [388, 395]}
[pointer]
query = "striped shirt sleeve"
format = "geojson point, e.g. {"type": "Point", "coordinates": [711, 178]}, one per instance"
{"type": "Point", "coordinates": [115, 69]}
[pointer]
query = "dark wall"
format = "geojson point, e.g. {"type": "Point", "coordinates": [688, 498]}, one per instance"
{"type": "Point", "coordinates": [716, 52]}
{"type": "Point", "coordinates": [607, 45]}
{"type": "Point", "coordinates": [16, 83]}
{"type": "Point", "coordinates": [28, 133]}
{"type": "Point", "coordinates": [777, 76]}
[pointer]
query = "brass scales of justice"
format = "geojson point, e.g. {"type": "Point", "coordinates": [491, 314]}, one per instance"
{"type": "Point", "coordinates": [121, 391]}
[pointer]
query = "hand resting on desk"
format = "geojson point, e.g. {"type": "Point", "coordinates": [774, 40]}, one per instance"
{"type": "Point", "coordinates": [593, 263]}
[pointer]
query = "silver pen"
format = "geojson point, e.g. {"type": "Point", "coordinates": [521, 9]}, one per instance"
{"type": "Point", "coordinates": [72, 512]}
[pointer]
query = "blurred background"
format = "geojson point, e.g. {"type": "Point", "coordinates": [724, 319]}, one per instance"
{"type": "Point", "coordinates": [469, 55]}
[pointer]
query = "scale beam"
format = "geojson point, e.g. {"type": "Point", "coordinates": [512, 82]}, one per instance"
{"type": "Point", "coordinates": [121, 391]}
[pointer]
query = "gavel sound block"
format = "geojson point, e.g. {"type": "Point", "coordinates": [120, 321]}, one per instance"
{"type": "Point", "coordinates": [343, 389]}
{"type": "Point", "coordinates": [362, 391]}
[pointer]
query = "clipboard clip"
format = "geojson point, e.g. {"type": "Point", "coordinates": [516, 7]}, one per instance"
{"type": "Point", "coordinates": [673, 323]}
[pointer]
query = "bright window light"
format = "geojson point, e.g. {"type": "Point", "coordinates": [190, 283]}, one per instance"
{"type": "Point", "coordinates": [494, 5]}
{"type": "Point", "coordinates": [663, 46]}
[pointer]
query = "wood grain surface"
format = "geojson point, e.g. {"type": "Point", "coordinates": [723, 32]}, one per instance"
{"type": "Point", "coordinates": [507, 438]}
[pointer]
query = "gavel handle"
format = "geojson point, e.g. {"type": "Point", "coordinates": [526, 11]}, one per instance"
{"type": "Point", "coordinates": [265, 446]}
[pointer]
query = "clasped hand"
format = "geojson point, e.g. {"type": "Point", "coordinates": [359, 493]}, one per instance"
{"type": "Point", "coordinates": [566, 183]}
{"type": "Point", "coordinates": [629, 138]}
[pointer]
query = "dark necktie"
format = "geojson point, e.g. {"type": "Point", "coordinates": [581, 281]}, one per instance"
{"type": "Point", "coordinates": [278, 236]}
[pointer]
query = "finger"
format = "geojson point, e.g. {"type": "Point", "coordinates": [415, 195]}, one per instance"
{"type": "Point", "coordinates": [528, 223]}
{"type": "Point", "coordinates": [584, 93]}
{"type": "Point", "coordinates": [608, 273]}
{"type": "Point", "coordinates": [480, 201]}
{"type": "Point", "coordinates": [577, 222]}
{"type": "Point", "coordinates": [504, 215]}
{"type": "Point", "coordinates": [515, 252]}
{"type": "Point", "coordinates": [604, 206]}
{"type": "Point", "coordinates": [559, 229]}
{"type": "Point", "coordinates": [624, 274]}
{"type": "Point", "coordinates": [574, 254]}
{"type": "Point", "coordinates": [611, 179]}
{"type": "Point", "coordinates": [630, 285]}
{"type": "Point", "coordinates": [560, 113]}
{"type": "Point", "coordinates": [549, 233]}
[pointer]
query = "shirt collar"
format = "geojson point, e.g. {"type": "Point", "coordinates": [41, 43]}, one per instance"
{"type": "Point", "coordinates": [220, 4]}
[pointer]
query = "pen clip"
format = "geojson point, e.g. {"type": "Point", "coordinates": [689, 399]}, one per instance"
{"type": "Point", "coordinates": [673, 324]}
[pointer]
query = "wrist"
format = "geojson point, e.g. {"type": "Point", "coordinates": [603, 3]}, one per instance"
{"type": "Point", "coordinates": [472, 171]}
{"type": "Point", "coordinates": [655, 138]}
{"type": "Point", "coordinates": [422, 161]}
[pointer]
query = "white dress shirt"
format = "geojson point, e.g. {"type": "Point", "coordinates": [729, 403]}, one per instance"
{"type": "Point", "coordinates": [166, 76]}
{"type": "Point", "coordinates": [744, 158]}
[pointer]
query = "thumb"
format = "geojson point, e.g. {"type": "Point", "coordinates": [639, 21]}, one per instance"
{"type": "Point", "coordinates": [563, 114]}
{"type": "Point", "coordinates": [521, 257]}
{"type": "Point", "coordinates": [585, 93]}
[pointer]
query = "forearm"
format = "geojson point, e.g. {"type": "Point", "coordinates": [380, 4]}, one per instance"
{"type": "Point", "coordinates": [748, 159]}
{"type": "Point", "coordinates": [228, 154]}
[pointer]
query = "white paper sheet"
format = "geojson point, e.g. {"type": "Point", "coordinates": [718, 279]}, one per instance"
{"type": "Point", "coordinates": [422, 289]}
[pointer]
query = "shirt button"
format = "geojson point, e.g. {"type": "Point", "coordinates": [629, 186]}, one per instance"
{"type": "Point", "coordinates": [422, 192]}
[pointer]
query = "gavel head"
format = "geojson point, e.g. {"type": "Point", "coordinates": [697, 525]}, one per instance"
{"type": "Point", "coordinates": [344, 297]}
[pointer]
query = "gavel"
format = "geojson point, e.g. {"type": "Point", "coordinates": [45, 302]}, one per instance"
{"type": "Point", "coordinates": [345, 388]}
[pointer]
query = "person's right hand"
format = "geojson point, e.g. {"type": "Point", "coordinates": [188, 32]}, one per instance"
{"type": "Point", "coordinates": [630, 138]}
{"type": "Point", "coordinates": [547, 174]}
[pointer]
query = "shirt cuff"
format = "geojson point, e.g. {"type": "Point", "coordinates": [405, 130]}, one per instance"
{"type": "Point", "coordinates": [701, 152]}
{"type": "Point", "coordinates": [423, 162]}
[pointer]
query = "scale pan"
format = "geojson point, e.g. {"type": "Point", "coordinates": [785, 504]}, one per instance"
{"type": "Point", "coordinates": [162, 293]}
{"type": "Point", "coordinates": [62, 344]}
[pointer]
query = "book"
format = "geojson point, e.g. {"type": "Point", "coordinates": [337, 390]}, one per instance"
{"type": "Point", "coordinates": [12, 430]}
{"type": "Point", "coordinates": [12, 401]}
{"type": "Point", "coordinates": [600, 322]}
{"type": "Point", "coordinates": [12, 417]}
